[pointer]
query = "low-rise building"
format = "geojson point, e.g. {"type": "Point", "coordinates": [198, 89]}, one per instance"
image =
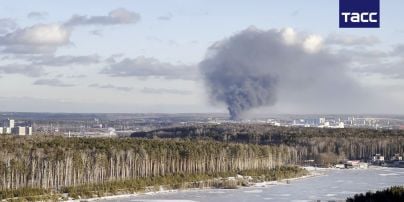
{"type": "Point", "coordinates": [6, 130]}
{"type": "Point", "coordinates": [19, 130]}
{"type": "Point", "coordinates": [28, 130]}
{"type": "Point", "coordinates": [378, 159]}
{"type": "Point", "coordinates": [396, 157]}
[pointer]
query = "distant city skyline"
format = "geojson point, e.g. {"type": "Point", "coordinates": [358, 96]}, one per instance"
{"type": "Point", "coordinates": [143, 56]}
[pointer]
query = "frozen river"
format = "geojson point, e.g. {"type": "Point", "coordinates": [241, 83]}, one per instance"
{"type": "Point", "coordinates": [334, 185]}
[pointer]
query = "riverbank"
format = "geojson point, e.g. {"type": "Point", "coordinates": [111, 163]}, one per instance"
{"type": "Point", "coordinates": [329, 184]}
{"type": "Point", "coordinates": [227, 183]}
{"type": "Point", "coordinates": [156, 184]}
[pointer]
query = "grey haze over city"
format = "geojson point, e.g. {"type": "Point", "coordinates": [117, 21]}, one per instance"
{"type": "Point", "coordinates": [192, 57]}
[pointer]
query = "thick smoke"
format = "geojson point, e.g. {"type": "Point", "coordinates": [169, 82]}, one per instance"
{"type": "Point", "coordinates": [252, 68]}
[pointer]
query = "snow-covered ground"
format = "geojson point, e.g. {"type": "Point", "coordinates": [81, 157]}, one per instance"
{"type": "Point", "coordinates": [324, 184]}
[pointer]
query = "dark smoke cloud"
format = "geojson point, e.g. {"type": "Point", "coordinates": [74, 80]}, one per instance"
{"type": "Point", "coordinates": [256, 68]}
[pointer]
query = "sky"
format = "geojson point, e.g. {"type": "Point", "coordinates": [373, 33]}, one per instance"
{"type": "Point", "coordinates": [130, 56]}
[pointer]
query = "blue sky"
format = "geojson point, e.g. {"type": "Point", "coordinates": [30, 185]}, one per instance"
{"type": "Point", "coordinates": [78, 70]}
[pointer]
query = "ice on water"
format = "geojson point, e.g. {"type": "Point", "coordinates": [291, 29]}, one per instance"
{"type": "Point", "coordinates": [334, 185]}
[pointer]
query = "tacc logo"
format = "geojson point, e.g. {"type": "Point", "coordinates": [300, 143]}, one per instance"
{"type": "Point", "coordinates": [359, 13]}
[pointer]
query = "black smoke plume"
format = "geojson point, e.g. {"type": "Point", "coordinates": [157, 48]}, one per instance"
{"type": "Point", "coordinates": [249, 69]}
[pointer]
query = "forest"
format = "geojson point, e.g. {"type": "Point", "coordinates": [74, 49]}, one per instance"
{"type": "Point", "coordinates": [44, 164]}
{"type": "Point", "coordinates": [392, 194]}
{"type": "Point", "coordinates": [324, 145]}
{"type": "Point", "coordinates": [43, 167]}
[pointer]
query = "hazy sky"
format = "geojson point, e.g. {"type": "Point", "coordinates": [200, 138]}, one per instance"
{"type": "Point", "coordinates": [143, 56]}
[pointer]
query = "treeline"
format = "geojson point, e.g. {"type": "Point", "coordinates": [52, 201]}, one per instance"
{"type": "Point", "coordinates": [321, 144]}
{"type": "Point", "coordinates": [262, 133]}
{"type": "Point", "coordinates": [225, 180]}
{"type": "Point", "coordinates": [277, 173]}
{"type": "Point", "coordinates": [393, 194]}
{"type": "Point", "coordinates": [55, 162]}
{"type": "Point", "coordinates": [184, 181]}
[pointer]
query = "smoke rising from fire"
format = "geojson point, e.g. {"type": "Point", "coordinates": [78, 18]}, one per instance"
{"type": "Point", "coordinates": [253, 67]}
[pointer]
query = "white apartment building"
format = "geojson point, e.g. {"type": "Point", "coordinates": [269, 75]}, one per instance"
{"type": "Point", "coordinates": [8, 127]}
